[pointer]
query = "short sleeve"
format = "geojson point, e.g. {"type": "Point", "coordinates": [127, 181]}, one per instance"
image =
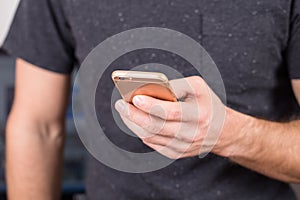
{"type": "Point", "coordinates": [40, 35]}
{"type": "Point", "coordinates": [293, 51]}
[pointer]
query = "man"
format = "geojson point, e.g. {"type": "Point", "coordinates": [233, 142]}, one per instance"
{"type": "Point", "coordinates": [255, 46]}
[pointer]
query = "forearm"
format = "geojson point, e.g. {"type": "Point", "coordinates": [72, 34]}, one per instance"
{"type": "Point", "coordinates": [33, 160]}
{"type": "Point", "coordinates": [270, 148]}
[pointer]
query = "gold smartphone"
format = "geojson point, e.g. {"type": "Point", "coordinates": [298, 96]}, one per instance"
{"type": "Point", "coordinates": [132, 83]}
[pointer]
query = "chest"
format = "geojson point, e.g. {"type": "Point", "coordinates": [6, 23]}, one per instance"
{"type": "Point", "coordinates": [246, 39]}
{"type": "Point", "coordinates": [219, 25]}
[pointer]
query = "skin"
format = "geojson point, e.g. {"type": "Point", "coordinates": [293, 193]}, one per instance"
{"type": "Point", "coordinates": [178, 129]}
{"type": "Point", "coordinates": [296, 84]}
{"type": "Point", "coordinates": [35, 132]}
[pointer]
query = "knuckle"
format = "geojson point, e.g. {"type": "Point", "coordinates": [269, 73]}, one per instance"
{"type": "Point", "coordinates": [153, 128]}
{"type": "Point", "coordinates": [174, 114]}
{"type": "Point", "coordinates": [189, 136]}
{"type": "Point", "coordinates": [150, 140]}
{"type": "Point", "coordinates": [196, 82]}
{"type": "Point", "coordinates": [205, 120]}
{"type": "Point", "coordinates": [164, 131]}
{"type": "Point", "coordinates": [203, 116]}
{"type": "Point", "coordinates": [134, 118]}
{"type": "Point", "coordinates": [192, 137]}
{"type": "Point", "coordinates": [141, 123]}
{"type": "Point", "coordinates": [146, 141]}
{"type": "Point", "coordinates": [197, 138]}
{"type": "Point", "coordinates": [196, 79]}
{"type": "Point", "coordinates": [184, 138]}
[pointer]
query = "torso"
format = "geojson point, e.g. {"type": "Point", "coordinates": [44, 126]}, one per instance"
{"type": "Point", "coordinates": [246, 39]}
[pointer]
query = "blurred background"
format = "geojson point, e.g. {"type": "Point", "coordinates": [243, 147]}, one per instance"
{"type": "Point", "coordinates": [75, 154]}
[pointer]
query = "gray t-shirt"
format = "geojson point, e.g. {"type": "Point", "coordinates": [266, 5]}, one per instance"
{"type": "Point", "coordinates": [255, 45]}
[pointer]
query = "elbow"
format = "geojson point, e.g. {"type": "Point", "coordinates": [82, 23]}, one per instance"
{"type": "Point", "coordinates": [52, 131]}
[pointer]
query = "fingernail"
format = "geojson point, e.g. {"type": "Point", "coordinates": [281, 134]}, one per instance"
{"type": "Point", "coordinates": [120, 106]}
{"type": "Point", "coordinates": [138, 100]}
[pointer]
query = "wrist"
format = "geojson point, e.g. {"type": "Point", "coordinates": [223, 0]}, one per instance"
{"type": "Point", "coordinates": [235, 138]}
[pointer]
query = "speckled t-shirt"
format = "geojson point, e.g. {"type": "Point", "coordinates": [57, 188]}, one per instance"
{"type": "Point", "coordinates": [255, 45]}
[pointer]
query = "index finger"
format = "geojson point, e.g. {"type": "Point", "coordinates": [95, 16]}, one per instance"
{"type": "Point", "coordinates": [167, 110]}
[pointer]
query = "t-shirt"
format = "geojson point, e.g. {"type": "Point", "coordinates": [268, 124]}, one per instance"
{"type": "Point", "coordinates": [255, 45]}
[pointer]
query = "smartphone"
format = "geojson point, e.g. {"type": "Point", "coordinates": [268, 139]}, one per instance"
{"type": "Point", "coordinates": [153, 84]}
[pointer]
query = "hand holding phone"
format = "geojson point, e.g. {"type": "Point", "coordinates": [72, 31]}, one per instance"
{"type": "Point", "coordinates": [177, 129]}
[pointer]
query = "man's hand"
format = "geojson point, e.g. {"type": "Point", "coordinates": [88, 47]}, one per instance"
{"type": "Point", "coordinates": [177, 129]}
{"type": "Point", "coordinates": [195, 126]}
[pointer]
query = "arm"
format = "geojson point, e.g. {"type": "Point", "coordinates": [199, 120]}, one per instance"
{"type": "Point", "coordinates": [35, 133]}
{"type": "Point", "coordinates": [270, 148]}
{"type": "Point", "coordinates": [274, 147]}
